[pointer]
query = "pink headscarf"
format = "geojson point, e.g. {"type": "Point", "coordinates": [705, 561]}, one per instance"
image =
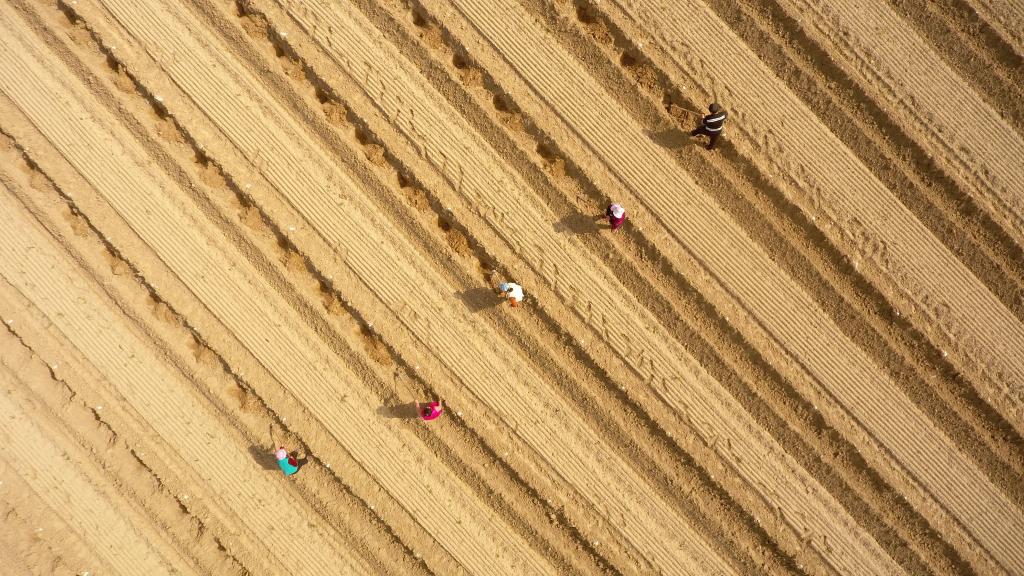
{"type": "Point", "coordinates": [281, 454]}
{"type": "Point", "coordinates": [617, 210]}
{"type": "Point", "coordinates": [433, 410]}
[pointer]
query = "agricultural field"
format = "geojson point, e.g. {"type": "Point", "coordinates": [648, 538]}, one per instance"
{"type": "Point", "coordinates": [234, 225]}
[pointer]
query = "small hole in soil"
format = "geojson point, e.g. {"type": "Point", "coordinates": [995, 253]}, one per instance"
{"type": "Point", "coordinates": [583, 14]}
{"type": "Point", "coordinates": [460, 61]}
{"type": "Point", "coordinates": [501, 103]}
{"type": "Point", "coordinates": [546, 151]}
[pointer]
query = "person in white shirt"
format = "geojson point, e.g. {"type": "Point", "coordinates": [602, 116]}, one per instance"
{"type": "Point", "coordinates": [512, 291]}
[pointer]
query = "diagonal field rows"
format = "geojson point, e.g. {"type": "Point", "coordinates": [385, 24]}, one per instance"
{"type": "Point", "coordinates": [889, 415]}
{"type": "Point", "coordinates": [978, 147]}
{"type": "Point", "coordinates": [574, 458]}
{"type": "Point", "coordinates": [198, 256]}
{"type": "Point", "coordinates": [1006, 16]}
{"type": "Point", "coordinates": [24, 512]}
{"type": "Point", "coordinates": [514, 216]}
{"type": "Point", "coordinates": [786, 139]}
{"type": "Point", "coordinates": [161, 396]}
{"type": "Point", "coordinates": [326, 192]}
{"type": "Point", "coordinates": [62, 476]}
{"type": "Point", "coordinates": [605, 477]}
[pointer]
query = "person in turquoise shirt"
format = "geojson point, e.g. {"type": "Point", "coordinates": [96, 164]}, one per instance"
{"type": "Point", "coordinates": [288, 464]}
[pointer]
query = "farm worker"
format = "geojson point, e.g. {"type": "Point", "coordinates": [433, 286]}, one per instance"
{"type": "Point", "coordinates": [430, 411]}
{"type": "Point", "coordinates": [289, 465]}
{"type": "Point", "coordinates": [616, 216]}
{"type": "Point", "coordinates": [513, 291]}
{"type": "Point", "coordinates": [712, 124]}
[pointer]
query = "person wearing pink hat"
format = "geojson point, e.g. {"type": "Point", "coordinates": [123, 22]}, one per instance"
{"type": "Point", "coordinates": [616, 216]}
{"type": "Point", "coordinates": [430, 411]}
{"type": "Point", "coordinates": [288, 464]}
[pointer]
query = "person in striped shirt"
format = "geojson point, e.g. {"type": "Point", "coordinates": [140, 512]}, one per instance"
{"type": "Point", "coordinates": [712, 124]}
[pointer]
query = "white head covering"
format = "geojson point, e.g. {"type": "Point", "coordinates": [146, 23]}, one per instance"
{"type": "Point", "coordinates": [617, 210]}
{"type": "Point", "coordinates": [281, 454]}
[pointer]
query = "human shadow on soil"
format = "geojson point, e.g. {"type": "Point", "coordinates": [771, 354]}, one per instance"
{"type": "Point", "coordinates": [577, 224]}
{"type": "Point", "coordinates": [263, 457]}
{"type": "Point", "coordinates": [405, 411]}
{"type": "Point", "coordinates": [671, 138]}
{"type": "Point", "coordinates": [480, 298]}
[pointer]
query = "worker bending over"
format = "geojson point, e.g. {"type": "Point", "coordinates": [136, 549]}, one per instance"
{"type": "Point", "coordinates": [712, 124]}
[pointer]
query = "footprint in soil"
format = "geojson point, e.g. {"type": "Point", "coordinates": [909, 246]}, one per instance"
{"type": "Point", "coordinates": [480, 298]}
{"type": "Point", "coordinates": [577, 224]}
{"type": "Point", "coordinates": [405, 411]}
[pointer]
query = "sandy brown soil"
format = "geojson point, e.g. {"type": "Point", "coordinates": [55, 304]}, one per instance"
{"type": "Point", "coordinates": [238, 224]}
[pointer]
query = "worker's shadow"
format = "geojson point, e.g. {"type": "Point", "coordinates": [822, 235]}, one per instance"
{"type": "Point", "coordinates": [577, 224]}
{"type": "Point", "coordinates": [405, 411]}
{"type": "Point", "coordinates": [479, 298]}
{"type": "Point", "coordinates": [671, 138]}
{"type": "Point", "coordinates": [263, 457]}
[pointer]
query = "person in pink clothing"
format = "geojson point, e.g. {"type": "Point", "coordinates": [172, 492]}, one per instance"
{"type": "Point", "coordinates": [430, 411]}
{"type": "Point", "coordinates": [616, 216]}
{"type": "Point", "coordinates": [288, 464]}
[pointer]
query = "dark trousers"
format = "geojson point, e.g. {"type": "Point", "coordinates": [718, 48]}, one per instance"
{"type": "Point", "coordinates": [712, 136]}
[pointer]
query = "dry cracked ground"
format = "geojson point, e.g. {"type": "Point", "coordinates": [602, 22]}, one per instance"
{"type": "Point", "coordinates": [230, 225]}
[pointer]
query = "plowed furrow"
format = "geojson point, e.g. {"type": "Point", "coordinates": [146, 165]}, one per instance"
{"type": "Point", "coordinates": [293, 36]}
{"type": "Point", "coordinates": [519, 504]}
{"type": "Point", "coordinates": [889, 321]}
{"type": "Point", "coordinates": [908, 273]}
{"type": "Point", "coordinates": [908, 170]}
{"type": "Point", "coordinates": [172, 514]}
{"type": "Point", "coordinates": [137, 486]}
{"type": "Point", "coordinates": [517, 559]}
{"type": "Point", "coordinates": [721, 184]}
{"type": "Point", "coordinates": [464, 176]}
{"type": "Point", "coordinates": [66, 478]}
{"type": "Point", "coordinates": [538, 352]}
{"type": "Point", "coordinates": [922, 424]}
{"type": "Point", "coordinates": [1006, 16]}
{"type": "Point", "coordinates": [39, 536]}
{"type": "Point", "coordinates": [325, 548]}
{"type": "Point", "coordinates": [357, 258]}
{"type": "Point", "coordinates": [336, 508]}
{"type": "Point", "coordinates": [200, 483]}
{"type": "Point", "coordinates": [931, 302]}
{"type": "Point", "coordinates": [882, 501]}
{"type": "Point", "coordinates": [294, 264]}
{"type": "Point", "coordinates": [239, 224]}
{"type": "Point", "coordinates": [932, 103]}
{"type": "Point", "coordinates": [235, 396]}
{"type": "Point", "coordinates": [225, 390]}
{"type": "Point", "coordinates": [442, 239]}
{"type": "Point", "coordinates": [793, 241]}
{"type": "Point", "coordinates": [974, 50]}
